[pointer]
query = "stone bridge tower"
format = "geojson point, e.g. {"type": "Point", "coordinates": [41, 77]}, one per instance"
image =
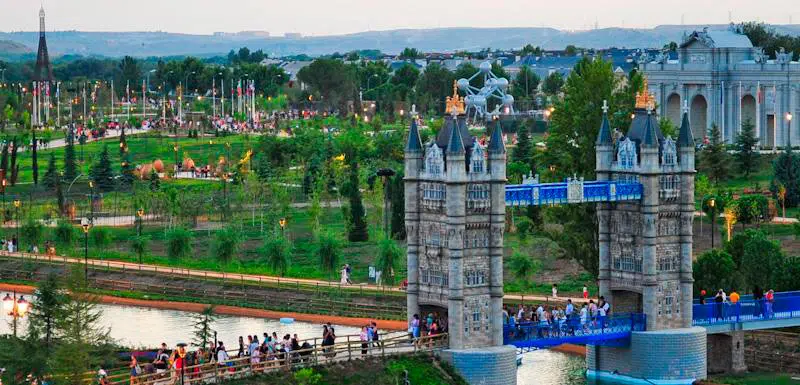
{"type": "Point", "coordinates": [455, 213]}
{"type": "Point", "coordinates": [646, 249]}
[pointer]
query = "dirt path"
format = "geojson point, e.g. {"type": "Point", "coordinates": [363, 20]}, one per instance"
{"type": "Point", "coordinates": [527, 298]}
{"type": "Point", "coordinates": [228, 310]}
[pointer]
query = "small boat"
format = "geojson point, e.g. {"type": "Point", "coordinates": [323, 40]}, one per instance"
{"type": "Point", "coordinates": [287, 320]}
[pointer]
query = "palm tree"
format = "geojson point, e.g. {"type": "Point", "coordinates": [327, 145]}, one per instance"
{"type": "Point", "coordinates": [277, 252]}
{"type": "Point", "coordinates": [389, 254]}
{"type": "Point", "coordinates": [329, 249]}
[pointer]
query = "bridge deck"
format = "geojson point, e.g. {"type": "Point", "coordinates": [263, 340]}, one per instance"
{"type": "Point", "coordinates": [613, 330]}
{"type": "Point", "coordinates": [783, 311]}
{"type": "Point", "coordinates": [572, 191]}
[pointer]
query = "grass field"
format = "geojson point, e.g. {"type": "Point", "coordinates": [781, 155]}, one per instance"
{"type": "Point", "coordinates": [756, 379]}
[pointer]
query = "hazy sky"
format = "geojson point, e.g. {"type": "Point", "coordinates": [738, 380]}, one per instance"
{"type": "Point", "coordinates": [327, 17]}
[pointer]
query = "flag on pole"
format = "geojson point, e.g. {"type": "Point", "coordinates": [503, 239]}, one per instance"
{"type": "Point", "coordinates": [128, 91]}
{"type": "Point", "coordinates": [239, 89]}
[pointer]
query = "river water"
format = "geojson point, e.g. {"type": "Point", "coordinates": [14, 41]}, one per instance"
{"type": "Point", "coordinates": [141, 327]}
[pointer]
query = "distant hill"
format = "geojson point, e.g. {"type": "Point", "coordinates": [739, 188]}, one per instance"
{"type": "Point", "coordinates": [142, 44]}
{"type": "Point", "coordinates": [13, 48]}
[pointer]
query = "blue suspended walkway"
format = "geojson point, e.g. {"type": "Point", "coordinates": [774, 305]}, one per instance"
{"type": "Point", "coordinates": [614, 330]}
{"type": "Point", "coordinates": [748, 314]}
{"type": "Point", "coordinates": [573, 190]}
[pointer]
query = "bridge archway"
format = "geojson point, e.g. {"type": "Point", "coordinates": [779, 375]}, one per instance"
{"type": "Point", "coordinates": [699, 117]}
{"type": "Point", "coordinates": [748, 106]}
{"type": "Point", "coordinates": [626, 301]}
{"type": "Point", "coordinates": [674, 109]}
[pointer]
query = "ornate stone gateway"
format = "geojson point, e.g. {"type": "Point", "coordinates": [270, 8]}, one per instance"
{"type": "Point", "coordinates": [455, 213]}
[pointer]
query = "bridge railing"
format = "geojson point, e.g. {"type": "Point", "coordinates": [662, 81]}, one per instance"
{"type": "Point", "coordinates": [575, 330]}
{"type": "Point", "coordinates": [782, 307]}
{"type": "Point", "coordinates": [571, 191]}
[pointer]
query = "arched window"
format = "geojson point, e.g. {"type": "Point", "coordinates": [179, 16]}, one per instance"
{"type": "Point", "coordinates": [668, 152]}
{"type": "Point", "coordinates": [478, 159]}
{"type": "Point", "coordinates": [433, 160]}
{"type": "Point", "coordinates": [626, 154]}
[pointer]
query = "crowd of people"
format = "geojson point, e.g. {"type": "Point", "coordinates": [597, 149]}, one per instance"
{"type": "Point", "coordinates": [433, 325]}
{"type": "Point", "coordinates": [257, 353]}
{"type": "Point", "coordinates": [555, 320]}
{"type": "Point", "coordinates": [724, 305]}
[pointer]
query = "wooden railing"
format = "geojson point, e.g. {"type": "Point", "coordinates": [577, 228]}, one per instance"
{"type": "Point", "coordinates": [352, 349]}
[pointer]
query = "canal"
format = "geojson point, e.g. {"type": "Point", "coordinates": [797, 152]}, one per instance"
{"type": "Point", "coordinates": [141, 327]}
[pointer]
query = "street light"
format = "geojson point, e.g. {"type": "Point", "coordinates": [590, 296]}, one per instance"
{"type": "Point", "coordinates": [139, 218]}
{"type": "Point", "coordinates": [17, 203]}
{"type": "Point", "coordinates": [86, 226]}
{"type": "Point", "coordinates": [16, 308]}
{"type": "Point", "coordinates": [712, 203]}
{"type": "Point", "coordinates": [788, 128]}
{"type": "Point", "coordinates": [282, 223]}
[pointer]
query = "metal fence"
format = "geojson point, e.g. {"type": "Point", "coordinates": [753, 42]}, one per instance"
{"type": "Point", "coordinates": [782, 307]}
{"type": "Point", "coordinates": [573, 330]}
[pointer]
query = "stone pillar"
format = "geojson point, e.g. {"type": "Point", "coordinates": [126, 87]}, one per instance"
{"type": "Point", "coordinates": [496, 365]}
{"type": "Point", "coordinates": [603, 167]}
{"type": "Point", "coordinates": [455, 208]}
{"type": "Point", "coordinates": [497, 168]}
{"type": "Point", "coordinates": [686, 232]}
{"type": "Point", "coordinates": [726, 353]}
{"type": "Point", "coordinates": [413, 167]}
{"type": "Point", "coordinates": [649, 213]}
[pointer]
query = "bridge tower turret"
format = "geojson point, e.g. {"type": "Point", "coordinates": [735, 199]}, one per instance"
{"type": "Point", "coordinates": [455, 213]}
{"type": "Point", "coordinates": [645, 250]}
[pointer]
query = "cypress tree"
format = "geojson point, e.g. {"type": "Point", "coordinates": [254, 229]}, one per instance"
{"type": "Point", "coordinates": [715, 157]}
{"type": "Point", "coordinates": [123, 143]}
{"type": "Point", "coordinates": [523, 153]}
{"type": "Point", "coordinates": [398, 209]}
{"type": "Point", "coordinates": [14, 167]}
{"type": "Point", "coordinates": [70, 166]}
{"type": "Point", "coordinates": [4, 161]}
{"type": "Point", "coordinates": [357, 232]}
{"type": "Point", "coordinates": [101, 173]}
{"type": "Point", "coordinates": [34, 158]}
{"type": "Point", "coordinates": [786, 172]}
{"type": "Point", "coordinates": [746, 151]}
{"type": "Point", "coordinates": [155, 182]}
{"type": "Point", "coordinates": [51, 175]}
{"type": "Point", "coordinates": [126, 171]}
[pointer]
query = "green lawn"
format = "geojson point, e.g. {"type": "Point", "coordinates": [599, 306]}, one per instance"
{"type": "Point", "coordinates": [757, 379]}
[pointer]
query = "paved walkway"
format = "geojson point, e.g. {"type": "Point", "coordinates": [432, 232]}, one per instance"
{"type": "Point", "coordinates": [56, 143]}
{"type": "Point", "coordinates": [527, 298]}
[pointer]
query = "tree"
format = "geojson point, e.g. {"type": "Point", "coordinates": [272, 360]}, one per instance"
{"type": "Point", "coordinates": [522, 266]}
{"type": "Point", "coordinates": [102, 174]}
{"type": "Point", "coordinates": [50, 301]}
{"type": "Point", "coordinates": [433, 86]}
{"type": "Point", "coordinates": [409, 54]}
{"type": "Point", "coordinates": [101, 236]}
{"type": "Point", "coordinates": [762, 261]}
{"type": "Point", "coordinates": [126, 171]}
{"type": "Point", "coordinates": [179, 243]}
{"type": "Point", "coordinates": [751, 209]}
{"type": "Point", "coordinates": [553, 83]}
{"type": "Point", "coordinates": [523, 152]}
{"type": "Point", "coordinates": [65, 233]}
{"type": "Point", "coordinates": [130, 73]}
{"type": "Point", "coordinates": [715, 158]}
{"type": "Point", "coordinates": [51, 177]}
{"type": "Point", "coordinates": [329, 249]}
{"type": "Point", "coordinates": [786, 173]}
{"type": "Point", "coordinates": [34, 157]}
{"type": "Point", "coordinates": [404, 80]}
{"type": "Point", "coordinates": [389, 256]}
{"type": "Point", "coordinates": [70, 166]}
{"type": "Point", "coordinates": [713, 269]}
{"type": "Point", "coordinates": [155, 181]}
{"type": "Point", "coordinates": [571, 149]}
{"type": "Point", "coordinates": [332, 79]}
{"type": "Point", "coordinates": [226, 244]}
{"type": "Point", "coordinates": [277, 251]}
{"type": "Point", "coordinates": [139, 245]}
{"type": "Point", "coordinates": [203, 333]}
{"type": "Point", "coordinates": [357, 230]}
{"type": "Point", "coordinates": [571, 50]}
{"type": "Point", "coordinates": [746, 148]}
{"type": "Point", "coordinates": [525, 84]}
{"type": "Point", "coordinates": [398, 206]}
{"type": "Point", "coordinates": [32, 232]}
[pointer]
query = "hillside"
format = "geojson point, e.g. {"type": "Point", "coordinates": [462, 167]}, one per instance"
{"type": "Point", "coordinates": [142, 44]}
{"type": "Point", "coordinates": [9, 48]}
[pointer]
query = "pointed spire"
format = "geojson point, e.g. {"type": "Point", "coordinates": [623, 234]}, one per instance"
{"type": "Point", "coordinates": [604, 135]}
{"type": "Point", "coordinates": [650, 137]}
{"type": "Point", "coordinates": [685, 136]}
{"type": "Point", "coordinates": [456, 144]}
{"type": "Point", "coordinates": [414, 143]}
{"type": "Point", "coordinates": [496, 145]}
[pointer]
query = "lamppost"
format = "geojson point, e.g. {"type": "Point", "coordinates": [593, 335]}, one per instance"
{"type": "Point", "coordinates": [4, 184]}
{"type": "Point", "coordinates": [16, 308]}
{"type": "Point", "coordinates": [139, 219]}
{"type": "Point", "coordinates": [91, 201]}
{"type": "Point", "coordinates": [712, 203]}
{"type": "Point", "coordinates": [789, 129]}
{"type": "Point", "coordinates": [385, 174]}
{"type": "Point", "coordinates": [177, 166]}
{"type": "Point", "coordinates": [282, 223]}
{"type": "Point", "coordinates": [17, 203]}
{"type": "Point", "coordinates": [86, 225]}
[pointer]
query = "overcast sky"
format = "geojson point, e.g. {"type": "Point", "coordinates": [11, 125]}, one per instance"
{"type": "Point", "coordinates": [330, 17]}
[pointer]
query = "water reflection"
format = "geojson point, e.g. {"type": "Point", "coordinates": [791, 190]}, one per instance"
{"type": "Point", "coordinates": [547, 367]}
{"type": "Point", "coordinates": [147, 327]}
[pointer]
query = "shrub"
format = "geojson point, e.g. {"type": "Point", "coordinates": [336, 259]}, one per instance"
{"type": "Point", "coordinates": [226, 244]}
{"type": "Point", "coordinates": [101, 236]}
{"type": "Point", "coordinates": [31, 232]}
{"type": "Point", "coordinates": [329, 249]}
{"type": "Point", "coordinates": [179, 243]}
{"type": "Point", "coordinates": [65, 233]}
{"type": "Point", "coordinates": [389, 254]}
{"type": "Point", "coordinates": [277, 252]}
{"type": "Point", "coordinates": [139, 245]}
